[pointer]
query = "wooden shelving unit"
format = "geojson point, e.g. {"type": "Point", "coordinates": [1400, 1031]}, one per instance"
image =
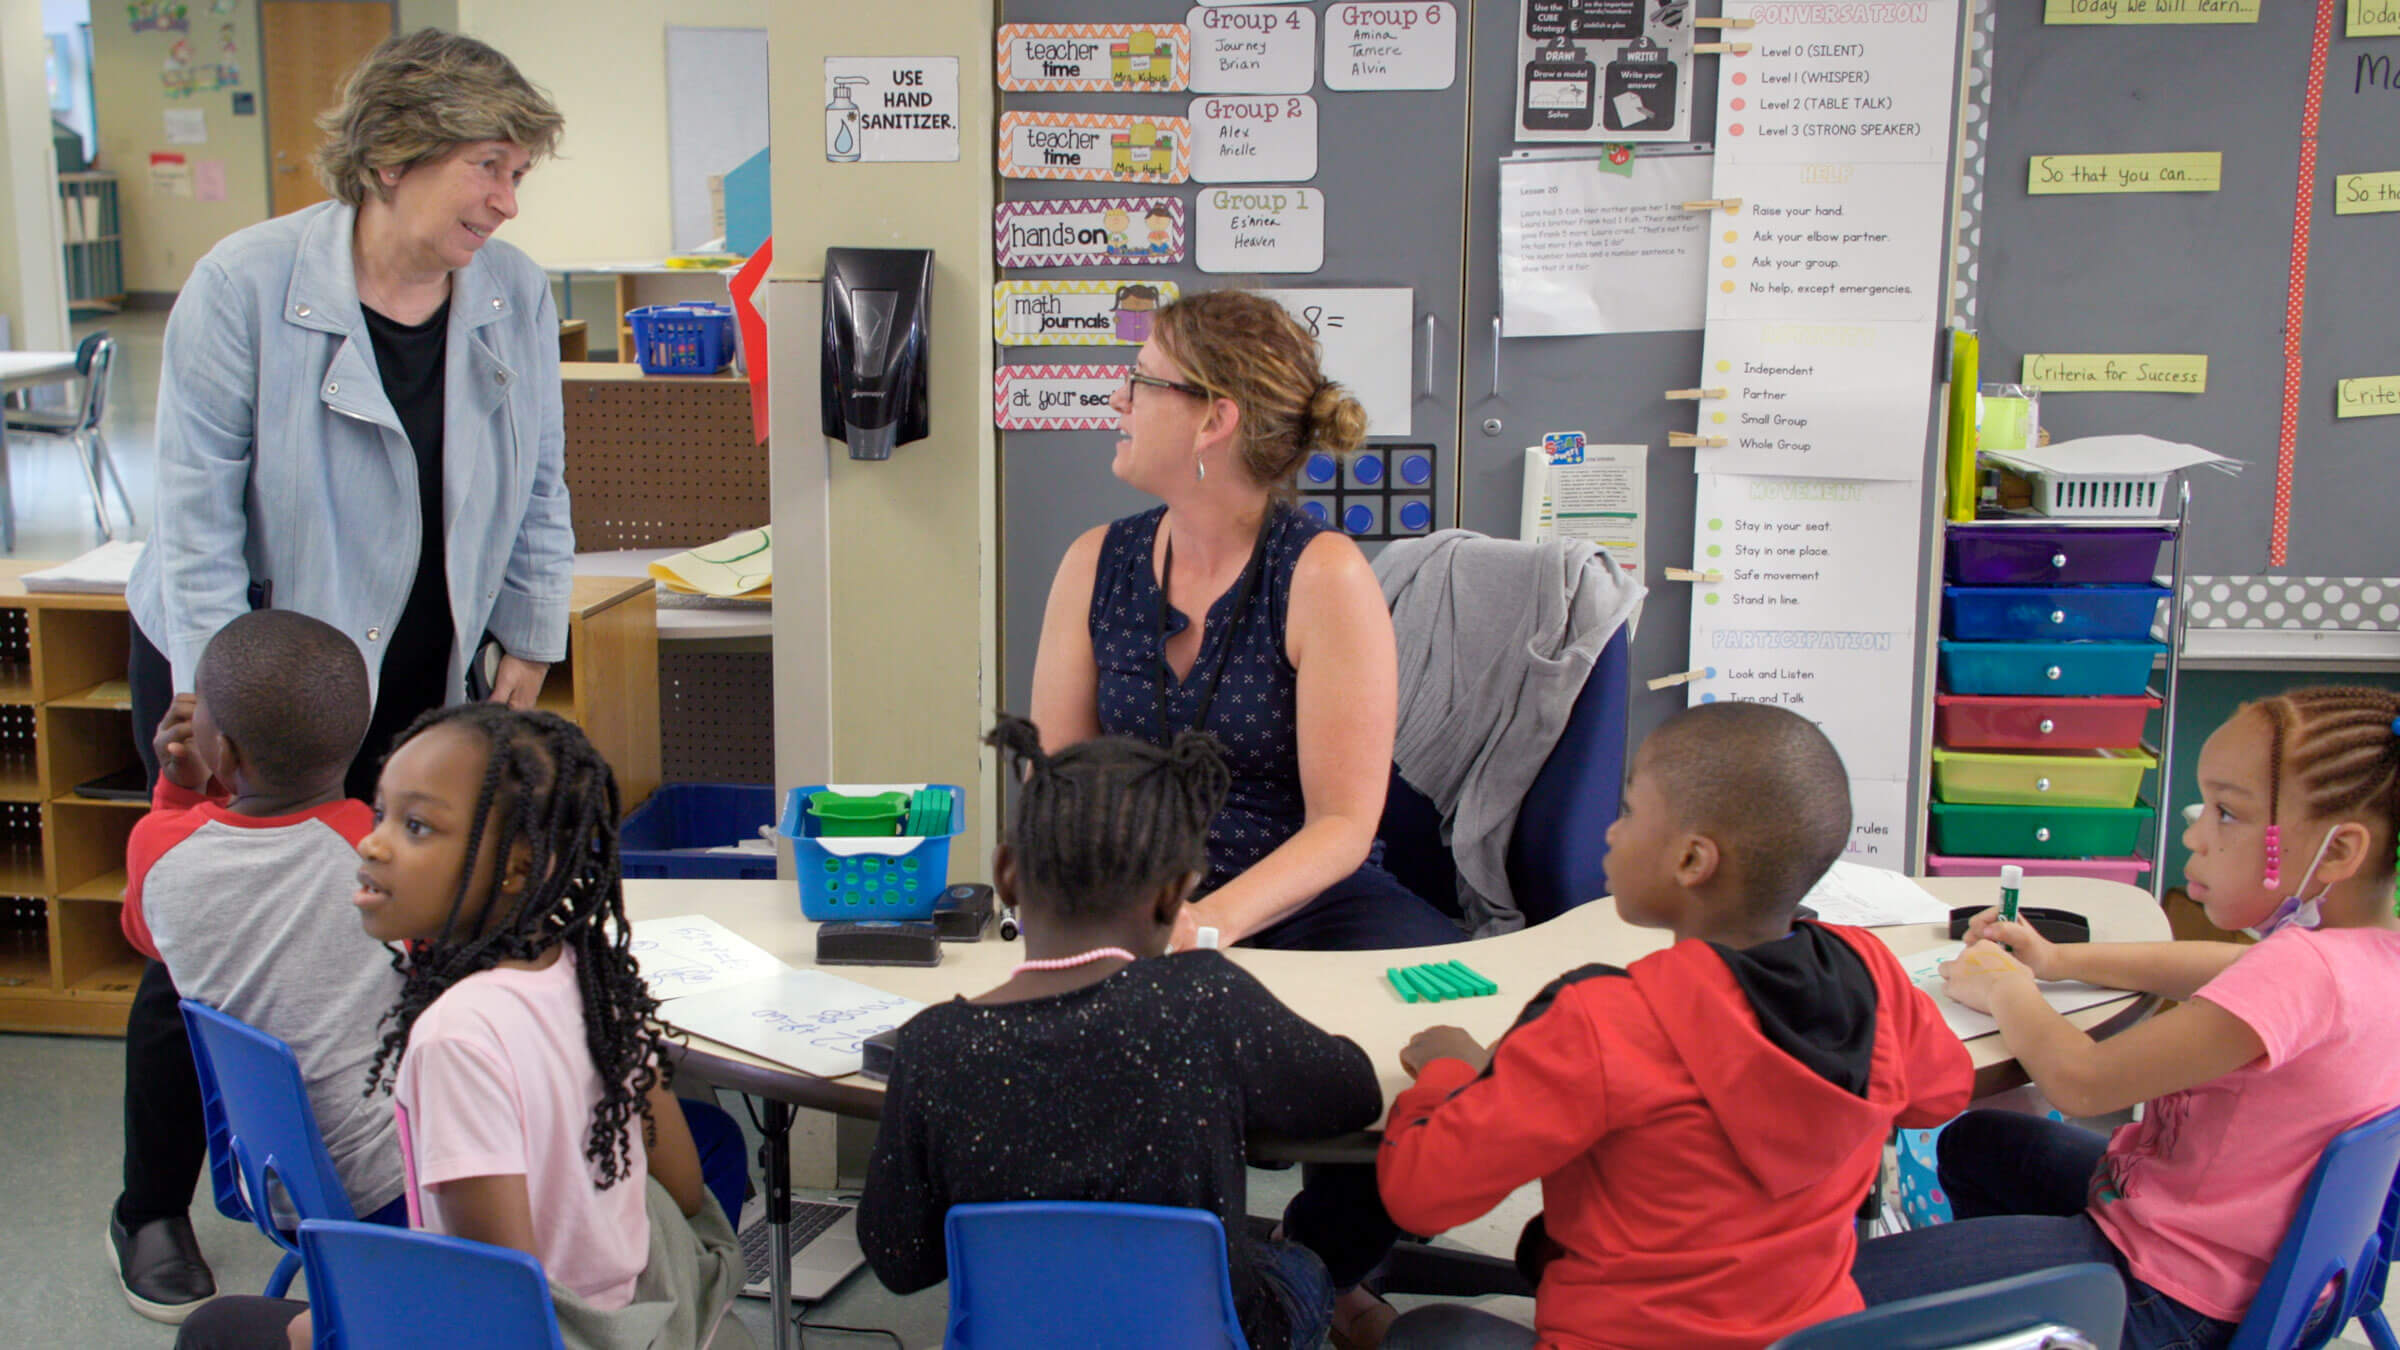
{"type": "Point", "coordinates": [66, 719]}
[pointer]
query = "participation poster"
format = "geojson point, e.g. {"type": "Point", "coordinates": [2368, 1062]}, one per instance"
{"type": "Point", "coordinates": [1585, 248]}
{"type": "Point", "coordinates": [1603, 70]}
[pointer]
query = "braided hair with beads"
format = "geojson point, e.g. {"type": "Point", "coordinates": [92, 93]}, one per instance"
{"type": "Point", "coordinates": [547, 792]}
{"type": "Point", "coordinates": [2338, 747]}
{"type": "Point", "coordinates": [1105, 823]}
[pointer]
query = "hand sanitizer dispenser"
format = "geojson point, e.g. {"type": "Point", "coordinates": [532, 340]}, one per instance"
{"type": "Point", "coordinates": [877, 303]}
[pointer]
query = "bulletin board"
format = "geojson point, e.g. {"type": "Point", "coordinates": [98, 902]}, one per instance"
{"type": "Point", "coordinates": [2212, 272]}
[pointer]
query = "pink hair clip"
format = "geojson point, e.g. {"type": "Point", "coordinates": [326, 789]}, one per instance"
{"type": "Point", "coordinates": [2274, 875]}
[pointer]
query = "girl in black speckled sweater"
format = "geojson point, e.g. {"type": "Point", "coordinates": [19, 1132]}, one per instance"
{"type": "Point", "coordinates": [1104, 1070]}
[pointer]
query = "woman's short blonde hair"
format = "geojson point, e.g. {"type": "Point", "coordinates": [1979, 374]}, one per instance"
{"type": "Point", "coordinates": [417, 97]}
{"type": "Point", "coordinates": [1247, 348]}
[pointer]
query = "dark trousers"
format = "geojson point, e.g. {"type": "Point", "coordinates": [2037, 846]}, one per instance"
{"type": "Point", "coordinates": [1369, 910]}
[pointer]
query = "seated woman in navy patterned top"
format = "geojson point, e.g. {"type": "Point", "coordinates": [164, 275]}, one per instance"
{"type": "Point", "coordinates": [1292, 666]}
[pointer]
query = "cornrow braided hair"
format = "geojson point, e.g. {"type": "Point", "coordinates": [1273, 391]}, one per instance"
{"type": "Point", "coordinates": [2339, 748]}
{"type": "Point", "coordinates": [1105, 823]}
{"type": "Point", "coordinates": [547, 791]}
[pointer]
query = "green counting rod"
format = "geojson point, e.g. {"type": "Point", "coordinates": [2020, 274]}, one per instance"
{"type": "Point", "coordinates": [1436, 982]}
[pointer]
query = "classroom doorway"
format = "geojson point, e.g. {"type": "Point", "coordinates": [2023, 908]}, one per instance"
{"type": "Point", "coordinates": [305, 48]}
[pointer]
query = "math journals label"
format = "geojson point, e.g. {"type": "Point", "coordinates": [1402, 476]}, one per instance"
{"type": "Point", "coordinates": [1268, 228]}
{"type": "Point", "coordinates": [1254, 139]}
{"type": "Point", "coordinates": [1263, 49]}
{"type": "Point", "coordinates": [1088, 232]}
{"type": "Point", "coordinates": [2064, 175]}
{"type": "Point", "coordinates": [2142, 373]}
{"type": "Point", "coordinates": [1092, 58]}
{"type": "Point", "coordinates": [1056, 398]}
{"type": "Point", "coordinates": [1095, 147]}
{"type": "Point", "coordinates": [1391, 46]}
{"type": "Point", "coordinates": [1100, 313]}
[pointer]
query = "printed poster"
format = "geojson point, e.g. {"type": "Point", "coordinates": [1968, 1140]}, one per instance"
{"type": "Point", "coordinates": [1056, 398]}
{"type": "Point", "coordinates": [1088, 231]}
{"type": "Point", "coordinates": [1093, 58]}
{"type": "Point", "coordinates": [1584, 249]}
{"type": "Point", "coordinates": [1824, 400]}
{"type": "Point", "coordinates": [1604, 70]}
{"type": "Point", "coordinates": [891, 109]}
{"type": "Point", "coordinates": [1097, 313]}
{"type": "Point", "coordinates": [1095, 147]}
{"type": "Point", "coordinates": [1872, 87]}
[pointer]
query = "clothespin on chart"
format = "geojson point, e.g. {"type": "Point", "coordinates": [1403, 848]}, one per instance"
{"type": "Point", "coordinates": [1670, 681]}
{"type": "Point", "coordinates": [1728, 204]}
{"type": "Point", "coordinates": [1699, 393]}
{"type": "Point", "coordinates": [1714, 22]}
{"type": "Point", "coordinates": [1688, 574]}
{"type": "Point", "coordinates": [1692, 440]}
{"type": "Point", "coordinates": [1720, 48]}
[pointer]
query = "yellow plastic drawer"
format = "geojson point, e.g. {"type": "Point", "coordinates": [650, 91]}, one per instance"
{"type": "Point", "coordinates": [2078, 778]}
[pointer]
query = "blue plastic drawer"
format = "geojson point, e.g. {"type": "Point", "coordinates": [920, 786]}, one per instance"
{"type": "Point", "coordinates": [2047, 613]}
{"type": "Point", "coordinates": [676, 833]}
{"type": "Point", "coordinates": [2048, 669]}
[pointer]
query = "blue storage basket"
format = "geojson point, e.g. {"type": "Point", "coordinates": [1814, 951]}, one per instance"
{"type": "Point", "coordinates": [873, 877]}
{"type": "Point", "coordinates": [666, 836]}
{"type": "Point", "coordinates": [688, 339]}
{"type": "Point", "coordinates": [2051, 613]}
{"type": "Point", "coordinates": [2048, 669]}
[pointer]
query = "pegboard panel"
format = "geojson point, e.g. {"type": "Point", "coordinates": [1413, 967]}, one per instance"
{"type": "Point", "coordinates": [716, 716]}
{"type": "Point", "coordinates": [662, 463]}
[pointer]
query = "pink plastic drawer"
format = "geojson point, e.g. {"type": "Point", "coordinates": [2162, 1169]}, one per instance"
{"type": "Point", "coordinates": [2127, 870]}
{"type": "Point", "coordinates": [1965, 722]}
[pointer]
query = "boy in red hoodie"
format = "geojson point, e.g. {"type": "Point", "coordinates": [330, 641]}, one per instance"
{"type": "Point", "coordinates": [1705, 1123]}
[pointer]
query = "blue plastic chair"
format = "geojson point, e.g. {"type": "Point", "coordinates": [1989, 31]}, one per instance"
{"type": "Point", "coordinates": [2088, 1300]}
{"type": "Point", "coordinates": [261, 1126]}
{"type": "Point", "coordinates": [372, 1287]}
{"type": "Point", "coordinates": [2331, 1265]}
{"type": "Point", "coordinates": [1557, 857]}
{"type": "Point", "coordinates": [1047, 1273]}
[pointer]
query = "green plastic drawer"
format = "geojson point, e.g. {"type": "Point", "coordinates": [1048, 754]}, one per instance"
{"type": "Point", "coordinates": [2077, 778]}
{"type": "Point", "coordinates": [2039, 831]}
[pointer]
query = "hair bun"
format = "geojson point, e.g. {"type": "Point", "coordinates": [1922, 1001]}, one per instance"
{"type": "Point", "coordinates": [1333, 421]}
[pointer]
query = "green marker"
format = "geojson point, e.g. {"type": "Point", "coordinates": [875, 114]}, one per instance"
{"type": "Point", "coordinates": [1400, 985]}
{"type": "Point", "coordinates": [2011, 877]}
{"type": "Point", "coordinates": [1482, 985]}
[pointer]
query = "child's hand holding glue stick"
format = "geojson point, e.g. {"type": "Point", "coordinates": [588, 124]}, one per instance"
{"type": "Point", "coordinates": [2001, 924]}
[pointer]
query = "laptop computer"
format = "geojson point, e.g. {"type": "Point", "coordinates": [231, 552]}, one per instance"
{"type": "Point", "coordinates": [824, 1247]}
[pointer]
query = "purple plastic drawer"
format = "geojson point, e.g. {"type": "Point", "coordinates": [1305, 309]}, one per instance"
{"type": "Point", "coordinates": [2017, 556]}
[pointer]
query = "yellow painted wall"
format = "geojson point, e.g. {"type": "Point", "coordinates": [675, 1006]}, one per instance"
{"type": "Point", "coordinates": [914, 561]}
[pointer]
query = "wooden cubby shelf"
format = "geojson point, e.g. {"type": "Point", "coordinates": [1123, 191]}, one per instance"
{"type": "Point", "coordinates": [66, 719]}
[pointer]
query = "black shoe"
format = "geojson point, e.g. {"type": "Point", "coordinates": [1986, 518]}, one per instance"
{"type": "Point", "coordinates": [160, 1268]}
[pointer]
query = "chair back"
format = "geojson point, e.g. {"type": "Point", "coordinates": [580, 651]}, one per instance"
{"type": "Point", "coordinates": [95, 358]}
{"type": "Point", "coordinates": [2079, 1307]}
{"type": "Point", "coordinates": [1042, 1274]}
{"type": "Point", "coordinates": [269, 1129]}
{"type": "Point", "coordinates": [372, 1287]}
{"type": "Point", "coordinates": [1558, 853]}
{"type": "Point", "coordinates": [2331, 1264]}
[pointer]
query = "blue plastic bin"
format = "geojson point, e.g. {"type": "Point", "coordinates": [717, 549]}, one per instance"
{"type": "Point", "coordinates": [2050, 613]}
{"type": "Point", "coordinates": [665, 836]}
{"type": "Point", "coordinates": [2048, 669]}
{"type": "Point", "coordinates": [895, 878]}
{"type": "Point", "coordinates": [687, 339]}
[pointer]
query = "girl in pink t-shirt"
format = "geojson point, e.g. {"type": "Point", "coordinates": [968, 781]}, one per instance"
{"type": "Point", "coordinates": [529, 1063]}
{"type": "Point", "coordinates": [2274, 1049]}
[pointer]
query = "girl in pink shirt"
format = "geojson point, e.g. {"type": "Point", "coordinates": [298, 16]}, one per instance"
{"type": "Point", "coordinates": [533, 1100]}
{"type": "Point", "coordinates": [2274, 1049]}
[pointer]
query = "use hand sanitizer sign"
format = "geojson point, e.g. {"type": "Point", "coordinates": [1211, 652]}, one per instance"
{"type": "Point", "coordinates": [891, 109]}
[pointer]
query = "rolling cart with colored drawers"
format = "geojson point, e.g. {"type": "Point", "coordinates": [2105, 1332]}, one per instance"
{"type": "Point", "coordinates": [2050, 668]}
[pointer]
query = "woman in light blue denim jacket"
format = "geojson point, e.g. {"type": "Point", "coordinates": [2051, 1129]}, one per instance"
{"type": "Point", "coordinates": [359, 418]}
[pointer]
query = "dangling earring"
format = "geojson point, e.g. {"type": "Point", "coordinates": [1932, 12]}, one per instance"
{"type": "Point", "coordinates": [2274, 876]}
{"type": "Point", "coordinates": [1199, 469]}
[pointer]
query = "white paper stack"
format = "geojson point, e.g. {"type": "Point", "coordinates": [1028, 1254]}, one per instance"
{"type": "Point", "coordinates": [103, 571]}
{"type": "Point", "coordinates": [716, 984]}
{"type": "Point", "coordinates": [1925, 969]}
{"type": "Point", "coordinates": [1869, 897]}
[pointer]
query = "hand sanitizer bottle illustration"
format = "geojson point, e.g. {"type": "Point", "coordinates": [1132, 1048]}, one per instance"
{"type": "Point", "coordinates": [841, 122]}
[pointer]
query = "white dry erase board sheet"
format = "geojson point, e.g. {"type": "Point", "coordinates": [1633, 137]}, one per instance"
{"type": "Point", "coordinates": [1398, 44]}
{"type": "Point", "coordinates": [1267, 228]}
{"type": "Point", "coordinates": [1818, 400]}
{"type": "Point", "coordinates": [1829, 242]}
{"type": "Point", "coordinates": [1362, 334]}
{"type": "Point", "coordinates": [1088, 231]}
{"type": "Point", "coordinates": [805, 1019]}
{"type": "Point", "coordinates": [1264, 49]}
{"type": "Point", "coordinates": [1869, 897]}
{"type": "Point", "coordinates": [1604, 70]}
{"type": "Point", "coordinates": [694, 954]}
{"type": "Point", "coordinates": [1585, 249]}
{"type": "Point", "coordinates": [1056, 397]}
{"type": "Point", "coordinates": [906, 109]}
{"type": "Point", "coordinates": [1875, 89]}
{"type": "Point", "coordinates": [1254, 138]}
{"type": "Point", "coordinates": [1925, 969]}
{"type": "Point", "coordinates": [1087, 58]}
